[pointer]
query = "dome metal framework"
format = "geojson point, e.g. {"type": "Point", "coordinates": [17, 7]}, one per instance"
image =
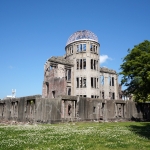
{"type": "Point", "coordinates": [82, 35]}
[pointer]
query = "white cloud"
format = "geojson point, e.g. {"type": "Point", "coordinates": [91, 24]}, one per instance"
{"type": "Point", "coordinates": [104, 58]}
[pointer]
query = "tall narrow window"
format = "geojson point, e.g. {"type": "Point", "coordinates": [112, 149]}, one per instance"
{"type": "Point", "coordinates": [47, 89]}
{"type": "Point", "coordinates": [91, 63]}
{"type": "Point", "coordinates": [77, 64]}
{"type": "Point", "coordinates": [69, 91]}
{"type": "Point", "coordinates": [92, 82]}
{"type": "Point", "coordinates": [109, 78]}
{"type": "Point", "coordinates": [80, 63]}
{"type": "Point", "coordinates": [80, 82]}
{"type": "Point", "coordinates": [113, 95]}
{"type": "Point", "coordinates": [77, 48]}
{"type": "Point", "coordinates": [94, 64]}
{"type": "Point", "coordinates": [80, 47]}
{"type": "Point", "coordinates": [91, 49]}
{"type": "Point", "coordinates": [103, 96]}
{"type": "Point", "coordinates": [97, 83]}
{"type": "Point", "coordinates": [102, 80]}
{"type": "Point", "coordinates": [69, 74]}
{"type": "Point", "coordinates": [84, 82]}
{"type": "Point", "coordinates": [84, 63]}
{"type": "Point", "coordinates": [77, 79]}
{"type": "Point", "coordinates": [84, 47]}
{"type": "Point", "coordinates": [94, 48]}
{"type": "Point", "coordinates": [53, 94]}
{"type": "Point", "coordinates": [112, 81]}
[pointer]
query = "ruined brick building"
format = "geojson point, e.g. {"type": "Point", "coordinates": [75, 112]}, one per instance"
{"type": "Point", "coordinates": [78, 72]}
{"type": "Point", "coordinates": [75, 88]}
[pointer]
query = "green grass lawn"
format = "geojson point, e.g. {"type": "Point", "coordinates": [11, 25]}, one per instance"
{"type": "Point", "coordinates": [76, 136]}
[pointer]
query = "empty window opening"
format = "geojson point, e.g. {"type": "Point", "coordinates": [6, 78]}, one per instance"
{"type": "Point", "coordinates": [112, 81]}
{"type": "Point", "coordinates": [102, 80]}
{"type": "Point", "coordinates": [91, 47]}
{"type": "Point", "coordinates": [47, 88]}
{"type": "Point", "coordinates": [103, 96]}
{"type": "Point", "coordinates": [94, 48]}
{"type": "Point", "coordinates": [77, 48]}
{"type": "Point", "coordinates": [94, 64]}
{"type": "Point", "coordinates": [84, 82]}
{"type": "Point", "coordinates": [84, 47]}
{"type": "Point", "coordinates": [53, 94]}
{"type": "Point", "coordinates": [80, 82]}
{"type": "Point", "coordinates": [80, 47]}
{"type": "Point", "coordinates": [92, 96]}
{"type": "Point", "coordinates": [84, 63]}
{"type": "Point", "coordinates": [77, 82]}
{"type": "Point", "coordinates": [92, 82]}
{"type": "Point", "coordinates": [77, 64]}
{"type": "Point", "coordinates": [109, 78]}
{"type": "Point", "coordinates": [113, 95]}
{"type": "Point", "coordinates": [80, 63]}
{"type": "Point", "coordinates": [69, 91]}
{"type": "Point", "coordinates": [94, 109]}
{"type": "Point", "coordinates": [84, 95]}
{"type": "Point", "coordinates": [91, 63]}
{"type": "Point", "coordinates": [97, 83]}
{"type": "Point", "coordinates": [69, 74]}
{"type": "Point", "coordinates": [69, 109]}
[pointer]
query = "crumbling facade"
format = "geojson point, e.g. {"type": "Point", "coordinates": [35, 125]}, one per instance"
{"type": "Point", "coordinates": [78, 72]}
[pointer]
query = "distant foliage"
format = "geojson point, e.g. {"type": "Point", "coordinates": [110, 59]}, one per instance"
{"type": "Point", "coordinates": [136, 71]}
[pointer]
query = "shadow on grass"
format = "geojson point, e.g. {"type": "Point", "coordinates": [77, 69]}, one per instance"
{"type": "Point", "coordinates": [141, 129]}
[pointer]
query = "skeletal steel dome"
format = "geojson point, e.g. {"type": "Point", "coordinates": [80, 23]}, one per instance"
{"type": "Point", "coordinates": [82, 35]}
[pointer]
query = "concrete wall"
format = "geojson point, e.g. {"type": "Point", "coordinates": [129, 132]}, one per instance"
{"type": "Point", "coordinates": [70, 108]}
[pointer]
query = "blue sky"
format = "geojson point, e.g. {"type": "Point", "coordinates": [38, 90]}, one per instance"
{"type": "Point", "coordinates": [31, 31]}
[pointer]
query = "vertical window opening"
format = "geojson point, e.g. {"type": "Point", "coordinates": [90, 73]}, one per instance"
{"type": "Point", "coordinates": [84, 63]}
{"type": "Point", "coordinates": [69, 91]}
{"type": "Point", "coordinates": [77, 82]}
{"type": "Point", "coordinates": [94, 82]}
{"type": "Point", "coordinates": [94, 48]}
{"type": "Point", "coordinates": [80, 63]}
{"type": "Point", "coordinates": [94, 64]}
{"type": "Point", "coordinates": [77, 64]}
{"type": "Point", "coordinates": [69, 74]}
{"type": "Point", "coordinates": [91, 82]}
{"type": "Point", "coordinates": [80, 82]}
{"type": "Point", "coordinates": [91, 47]}
{"type": "Point", "coordinates": [102, 80]}
{"type": "Point", "coordinates": [77, 48]}
{"type": "Point", "coordinates": [84, 82]}
{"type": "Point", "coordinates": [94, 109]}
{"type": "Point", "coordinates": [91, 63]}
{"type": "Point", "coordinates": [47, 88]}
{"type": "Point", "coordinates": [103, 96]}
{"type": "Point", "coordinates": [80, 47]}
{"type": "Point", "coordinates": [109, 81]}
{"type": "Point", "coordinates": [113, 95]}
{"type": "Point", "coordinates": [112, 81]}
{"type": "Point", "coordinates": [53, 94]}
{"type": "Point", "coordinates": [84, 47]}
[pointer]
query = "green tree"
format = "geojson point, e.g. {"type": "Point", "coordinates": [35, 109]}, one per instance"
{"type": "Point", "coordinates": [136, 71]}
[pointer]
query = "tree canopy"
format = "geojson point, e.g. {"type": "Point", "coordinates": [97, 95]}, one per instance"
{"type": "Point", "coordinates": [136, 71]}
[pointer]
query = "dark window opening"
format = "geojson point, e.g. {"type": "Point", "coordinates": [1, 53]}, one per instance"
{"type": "Point", "coordinates": [91, 82]}
{"type": "Point", "coordinates": [80, 47]}
{"type": "Point", "coordinates": [94, 109]}
{"type": "Point", "coordinates": [103, 96]}
{"type": "Point", "coordinates": [69, 109]}
{"type": "Point", "coordinates": [113, 95]}
{"type": "Point", "coordinates": [94, 64]}
{"type": "Point", "coordinates": [112, 81]}
{"type": "Point", "coordinates": [69, 74]}
{"type": "Point", "coordinates": [84, 95]}
{"type": "Point", "coordinates": [69, 91]}
{"type": "Point", "coordinates": [77, 48]}
{"type": "Point", "coordinates": [80, 63]}
{"type": "Point", "coordinates": [91, 47]}
{"type": "Point", "coordinates": [77, 64]}
{"type": "Point", "coordinates": [92, 96]}
{"type": "Point", "coordinates": [80, 82]}
{"type": "Point", "coordinates": [94, 82]}
{"type": "Point", "coordinates": [77, 82]}
{"type": "Point", "coordinates": [47, 88]}
{"type": "Point", "coordinates": [84, 63]}
{"type": "Point", "coordinates": [84, 82]}
{"type": "Point", "coordinates": [91, 63]}
{"type": "Point", "coordinates": [53, 94]}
